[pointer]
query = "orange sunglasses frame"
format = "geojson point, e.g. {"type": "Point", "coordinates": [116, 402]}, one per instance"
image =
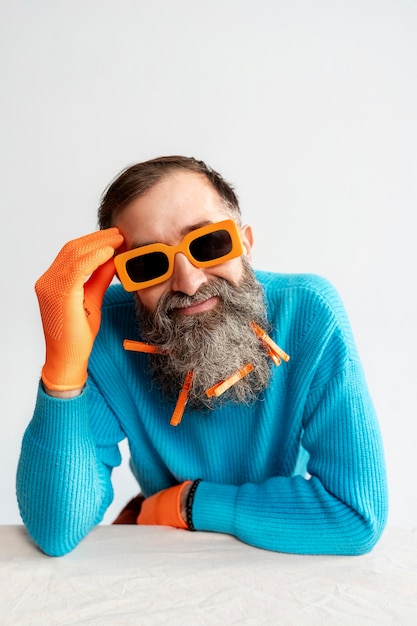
{"type": "Point", "coordinates": [121, 259]}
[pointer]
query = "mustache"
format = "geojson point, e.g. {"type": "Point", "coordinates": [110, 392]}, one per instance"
{"type": "Point", "coordinates": [172, 301]}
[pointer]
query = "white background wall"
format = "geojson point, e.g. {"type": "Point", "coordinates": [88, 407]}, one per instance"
{"type": "Point", "coordinates": [308, 107]}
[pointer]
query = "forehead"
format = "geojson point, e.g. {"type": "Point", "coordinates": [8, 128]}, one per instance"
{"type": "Point", "coordinates": [178, 203]}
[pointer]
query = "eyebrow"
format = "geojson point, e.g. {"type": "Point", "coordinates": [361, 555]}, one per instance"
{"type": "Point", "coordinates": [184, 231]}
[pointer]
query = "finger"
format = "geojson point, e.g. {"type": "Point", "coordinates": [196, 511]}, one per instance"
{"type": "Point", "coordinates": [79, 258]}
{"type": "Point", "coordinates": [98, 282]}
{"type": "Point", "coordinates": [95, 251]}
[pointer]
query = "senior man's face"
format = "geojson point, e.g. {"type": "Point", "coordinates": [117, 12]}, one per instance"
{"type": "Point", "coordinates": [178, 204]}
{"type": "Point", "coordinates": [200, 317]}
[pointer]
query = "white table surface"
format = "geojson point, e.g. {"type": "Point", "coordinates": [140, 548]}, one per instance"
{"type": "Point", "coordinates": [156, 575]}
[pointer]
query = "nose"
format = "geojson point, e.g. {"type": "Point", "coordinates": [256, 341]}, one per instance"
{"type": "Point", "coordinates": [186, 278]}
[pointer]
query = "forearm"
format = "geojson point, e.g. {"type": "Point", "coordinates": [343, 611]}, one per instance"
{"type": "Point", "coordinates": [62, 395]}
{"type": "Point", "coordinates": [62, 488]}
{"type": "Point", "coordinates": [290, 515]}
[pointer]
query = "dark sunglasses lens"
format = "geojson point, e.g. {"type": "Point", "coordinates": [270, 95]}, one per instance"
{"type": "Point", "coordinates": [147, 266]}
{"type": "Point", "coordinates": [212, 246]}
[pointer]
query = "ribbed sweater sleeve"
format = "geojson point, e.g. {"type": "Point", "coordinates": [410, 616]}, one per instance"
{"type": "Point", "coordinates": [63, 486]}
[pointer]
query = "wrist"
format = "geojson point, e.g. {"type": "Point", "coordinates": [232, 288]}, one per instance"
{"type": "Point", "coordinates": [63, 395]}
{"type": "Point", "coordinates": [189, 504]}
{"type": "Point", "coordinates": [65, 367]}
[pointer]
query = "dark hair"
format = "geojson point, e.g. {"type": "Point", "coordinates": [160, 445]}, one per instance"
{"type": "Point", "coordinates": [137, 179]}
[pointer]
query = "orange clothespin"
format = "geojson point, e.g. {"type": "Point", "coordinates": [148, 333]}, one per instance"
{"type": "Point", "coordinates": [224, 385]}
{"type": "Point", "coordinates": [140, 346]}
{"type": "Point", "coordinates": [182, 400]}
{"type": "Point", "coordinates": [272, 349]}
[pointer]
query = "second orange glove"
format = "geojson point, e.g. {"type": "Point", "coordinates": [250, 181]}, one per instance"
{"type": "Point", "coordinates": [164, 508]}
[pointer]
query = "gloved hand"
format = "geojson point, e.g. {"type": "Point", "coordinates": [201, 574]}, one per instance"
{"type": "Point", "coordinates": [164, 507]}
{"type": "Point", "coordinates": [70, 306]}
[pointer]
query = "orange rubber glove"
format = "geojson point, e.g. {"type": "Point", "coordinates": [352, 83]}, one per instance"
{"type": "Point", "coordinates": [164, 508]}
{"type": "Point", "coordinates": [70, 306]}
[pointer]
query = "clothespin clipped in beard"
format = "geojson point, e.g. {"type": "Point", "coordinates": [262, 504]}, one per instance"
{"type": "Point", "coordinates": [272, 349]}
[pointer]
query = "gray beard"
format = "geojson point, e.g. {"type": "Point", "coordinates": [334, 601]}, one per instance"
{"type": "Point", "coordinates": [213, 345]}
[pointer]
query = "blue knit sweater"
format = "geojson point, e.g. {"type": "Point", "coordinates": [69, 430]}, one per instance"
{"type": "Point", "coordinates": [316, 415]}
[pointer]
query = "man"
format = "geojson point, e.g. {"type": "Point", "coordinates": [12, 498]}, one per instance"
{"type": "Point", "coordinates": [241, 394]}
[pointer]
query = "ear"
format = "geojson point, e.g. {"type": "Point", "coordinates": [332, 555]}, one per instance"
{"type": "Point", "coordinates": [247, 240]}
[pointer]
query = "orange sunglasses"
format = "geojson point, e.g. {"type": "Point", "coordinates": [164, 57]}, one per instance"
{"type": "Point", "coordinates": [154, 263]}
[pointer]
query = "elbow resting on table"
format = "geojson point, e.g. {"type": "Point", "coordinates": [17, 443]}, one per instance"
{"type": "Point", "coordinates": [372, 533]}
{"type": "Point", "coordinates": [361, 538]}
{"type": "Point", "coordinates": [55, 546]}
{"type": "Point", "coordinates": [53, 536]}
